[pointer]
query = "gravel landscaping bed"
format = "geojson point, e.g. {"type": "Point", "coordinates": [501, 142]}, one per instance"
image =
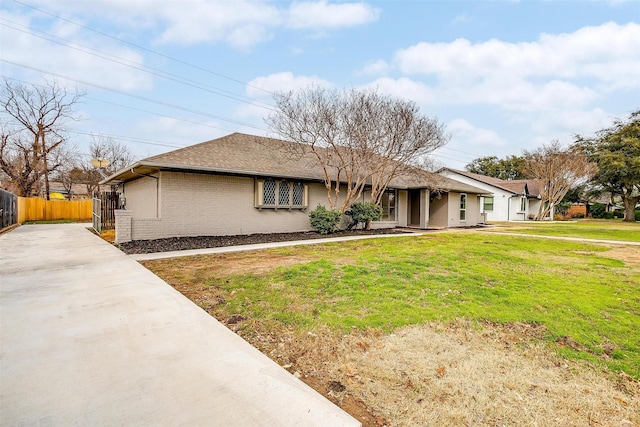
{"type": "Point", "coordinates": [202, 242]}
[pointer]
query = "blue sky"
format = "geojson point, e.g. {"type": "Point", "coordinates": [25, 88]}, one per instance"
{"type": "Point", "coordinates": [504, 76]}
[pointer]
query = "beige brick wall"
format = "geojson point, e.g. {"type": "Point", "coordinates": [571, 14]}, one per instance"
{"type": "Point", "coordinates": [439, 211]}
{"type": "Point", "coordinates": [473, 210]}
{"type": "Point", "coordinates": [142, 197]}
{"type": "Point", "coordinates": [199, 205]}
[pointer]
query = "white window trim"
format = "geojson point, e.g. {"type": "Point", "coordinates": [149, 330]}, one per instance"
{"type": "Point", "coordinates": [463, 209]}
{"type": "Point", "coordinates": [493, 203]}
{"type": "Point", "coordinates": [523, 204]}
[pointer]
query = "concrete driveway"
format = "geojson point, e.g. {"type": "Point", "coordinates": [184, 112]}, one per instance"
{"type": "Point", "coordinates": [90, 337]}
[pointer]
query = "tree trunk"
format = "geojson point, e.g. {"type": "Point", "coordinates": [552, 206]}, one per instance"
{"type": "Point", "coordinates": [630, 208]}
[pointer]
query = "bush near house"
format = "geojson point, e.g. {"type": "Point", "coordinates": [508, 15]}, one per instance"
{"type": "Point", "coordinates": [363, 213]}
{"type": "Point", "coordinates": [324, 220]}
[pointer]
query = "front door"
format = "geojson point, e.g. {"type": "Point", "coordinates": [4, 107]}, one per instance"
{"type": "Point", "coordinates": [414, 202]}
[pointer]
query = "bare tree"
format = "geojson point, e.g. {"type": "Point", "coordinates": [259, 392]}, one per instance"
{"type": "Point", "coordinates": [360, 139]}
{"type": "Point", "coordinates": [37, 114]}
{"type": "Point", "coordinates": [20, 162]}
{"type": "Point", "coordinates": [111, 154]}
{"type": "Point", "coordinates": [106, 148]}
{"type": "Point", "coordinates": [556, 171]}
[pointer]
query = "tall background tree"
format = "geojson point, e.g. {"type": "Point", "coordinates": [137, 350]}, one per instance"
{"type": "Point", "coordinates": [359, 138]}
{"type": "Point", "coordinates": [509, 168]}
{"type": "Point", "coordinates": [112, 156]}
{"type": "Point", "coordinates": [556, 171]}
{"type": "Point", "coordinates": [616, 151]}
{"type": "Point", "coordinates": [33, 131]}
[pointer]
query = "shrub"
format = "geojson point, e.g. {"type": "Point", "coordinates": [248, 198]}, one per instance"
{"type": "Point", "coordinates": [363, 213]}
{"type": "Point", "coordinates": [607, 215]}
{"type": "Point", "coordinates": [597, 210]}
{"type": "Point", "coordinates": [579, 215]}
{"type": "Point", "coordinates": [324, 220]}
{"type": "Point", "coordinates": [637, 214]}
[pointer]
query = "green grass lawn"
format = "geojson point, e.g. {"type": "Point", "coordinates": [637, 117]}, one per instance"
{"type": "Point", "coordinates": [52, 221]}
{"type": "Point", "coordinates": [585, 295]}
{"type": "Point", "coordinates": [587, 229]}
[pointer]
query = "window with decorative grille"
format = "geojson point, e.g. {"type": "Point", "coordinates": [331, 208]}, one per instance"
{"type": "Point", "coordinates": [298, 194]}
{"type": "Point", "coordinates": [276, 194]}
{"type": "Point", "coordinates": [269, 192]}
{"type": "Point", "coordinates": [283, 194]}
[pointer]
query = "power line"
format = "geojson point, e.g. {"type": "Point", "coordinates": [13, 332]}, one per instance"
{"type": "Point", "coordinates": [142, 47]}
{"type": "Point", "coordinates": [143, 98]}
{"type": "Point", "coordinates": [127, 138]}
{"type": "Point", "coordinates": [193, 122]}
{"type": "Point", "coordinates": [127, 63]}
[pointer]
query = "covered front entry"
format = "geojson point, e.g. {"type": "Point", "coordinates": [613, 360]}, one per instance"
{"type": "Point", "coordinates": [418, 208]}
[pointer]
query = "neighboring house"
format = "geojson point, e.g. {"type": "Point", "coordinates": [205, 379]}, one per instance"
{"type": "Point", "coordinates": [245, 184]}
{"type": "Point", "coordinates": [516, 200]}
{"type": "Point", "coordinates": [78, 191]}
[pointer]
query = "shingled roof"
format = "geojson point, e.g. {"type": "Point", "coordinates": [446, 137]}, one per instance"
{"type": "Point", "coordinates": [251, 155]}
{"type": "Point", "coordinates": [526, 187]}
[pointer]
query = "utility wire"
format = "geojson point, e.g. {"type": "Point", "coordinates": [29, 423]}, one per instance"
{"type": "Point", "coordinates": [127, 138]}
{"type": "Point", "coordinates": [131, 64]}
{"type": "Point", "coordinates": [143, 98]}
{"type": "Point", "coordinates": [193, 122]}
{"type": "Point", "coordinates": [197, 67]}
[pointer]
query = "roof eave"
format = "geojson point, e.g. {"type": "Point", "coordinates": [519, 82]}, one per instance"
{"type": "Point", "coordinates": [129, 173]}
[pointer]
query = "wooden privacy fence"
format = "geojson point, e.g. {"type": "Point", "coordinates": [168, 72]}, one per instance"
{"type": "Point", "coordinates": [36, 209]}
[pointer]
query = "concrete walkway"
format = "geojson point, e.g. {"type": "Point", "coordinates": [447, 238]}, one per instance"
{"type": "Point", "coordinates": [241, 248]}
{"type": "Point", "coordinates": [569, 239]}
{"type": "Point", "coordinates": [90, 337]}
{"type": "Point", "coordinates": [254, 247]}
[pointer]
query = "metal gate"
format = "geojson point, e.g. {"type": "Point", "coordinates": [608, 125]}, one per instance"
{"type": "Point", "coordinates": [8, 209]}
{"type": "Point", "coordinates": [104, 206]}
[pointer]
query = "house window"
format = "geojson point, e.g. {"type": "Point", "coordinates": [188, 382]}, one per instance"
{"type": "Point", "coordinates": [298, 194]}
{"type": "Point", "coordinates": [274, 194]}
{"type": "Point", "coordinates": [523, 204]}
{"type": "Point", "coordinates": [488, 204]}
{"type": "Point", "coordinates": [269, 192]}
{"type": "Point", "coordinates": [463, 207]}
{"type": "Point", "coordinates": [284, 195]}
{"type": "Point", "coordinates": [388, 204]}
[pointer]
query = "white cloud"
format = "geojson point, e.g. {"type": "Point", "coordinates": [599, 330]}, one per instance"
{"type": "Point", "coordinates": [322, 15]}
{"type": "Point", "coordinates": [464, 133]}
{"type": "Point", "coordinates": [588, 52]}
{"type": "Point", "coordinates": [462, 18]}
{"type": "Point", "coordinates": [404, 88]}
{"type": "Point", "coordinates": [282, 82]}
{"type": "Point", "coordinates": [68, 59]}
{"type": "Point", "coordinates": [378, 68]}
{"type": "Point", "coordinates": [239, 23]}
{"type": "Point", "coordinates": [261, 90]}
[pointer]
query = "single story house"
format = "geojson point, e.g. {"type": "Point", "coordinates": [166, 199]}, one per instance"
{"type": "Point", "coordinates": [515, 200]}
{"type": "Point", "coordinates": [246, 184]}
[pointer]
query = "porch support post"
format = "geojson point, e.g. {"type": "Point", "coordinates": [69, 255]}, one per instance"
{"type": "Point", "coordinates": [424, 208]}
{"type": "Point", "coordinates": [123, 225]}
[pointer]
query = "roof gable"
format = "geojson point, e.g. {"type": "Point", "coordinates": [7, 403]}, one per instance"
{"type": "Point", "coordinates": [528, 187]}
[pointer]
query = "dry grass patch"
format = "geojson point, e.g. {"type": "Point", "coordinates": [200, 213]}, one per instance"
{"type": "Point", "coordinates": [458, 374]}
